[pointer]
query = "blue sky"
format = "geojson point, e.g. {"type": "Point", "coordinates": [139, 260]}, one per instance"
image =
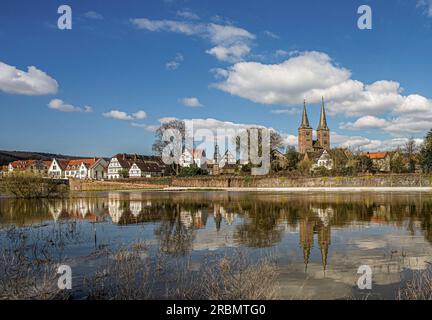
{"type": "Point", "coordinates": [243, 62]}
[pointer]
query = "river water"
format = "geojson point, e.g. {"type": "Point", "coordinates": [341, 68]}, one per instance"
{"type": "Point", "coordinates": [317, 241]}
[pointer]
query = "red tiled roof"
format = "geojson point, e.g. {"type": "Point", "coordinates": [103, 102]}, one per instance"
{"type": "Point", "coordinates": [77, 163]}
{"type": "Point", "coordinates": [376, 155]}
{"type": "Point", "coordinates": [22, 164]}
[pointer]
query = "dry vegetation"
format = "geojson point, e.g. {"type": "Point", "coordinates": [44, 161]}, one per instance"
{"type": "Point", "coordinates": [419, 287]}
{"type": "Point", "coordinates": [26, 185]}
{"type": "Point", "coordinates": [28, 267]}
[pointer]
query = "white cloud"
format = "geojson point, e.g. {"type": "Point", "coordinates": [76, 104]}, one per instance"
{"type": "Point", "coordinates": [230, 43]}
{"type": "Point", "coordinates": [229, 54]}
{"type": "Point", "coordinates": [191, 102]}
{"type": "Point", "coordinates": [60, 105]}
{"type": "Point", "coordinates": [187, 14]}
{"type": "Point", "coordinates": [312, 75]}
{"type": "Point", "coordinates": [34, 82]}
{"type": "Point", "coordinates": [121, 115]}
{"type": "Point", "coordinates": [308, 75]}
{"type": "Point", "coordinates": [174, 64]}
{"type": "Point", "coordinates": [139, 115]}
{"type": "Point", "coordinates": [366, 122]}
{"type": "Point", "coordinates": [365, 144]}
{"type": "Point", "coordinates": [93, 15]}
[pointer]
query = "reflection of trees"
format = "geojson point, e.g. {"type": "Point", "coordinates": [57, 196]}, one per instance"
{"type": "Point", "coordinates": [258, 220]}
{"type": "Point", "coordinates": [173, 235]}
{"type": "Point", "coordinates": [260, 227]}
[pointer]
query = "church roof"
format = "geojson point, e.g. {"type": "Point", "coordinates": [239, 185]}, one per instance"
{"type": "Point", "coordinates": [305, 119]}
{"type": "Point", "coordinates": [323, 120]}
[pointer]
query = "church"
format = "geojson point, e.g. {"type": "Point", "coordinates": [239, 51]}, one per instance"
{"type": "Point", "coordinates": [318, 151]}
{"type": "Point", "coordinates": [306, 143]}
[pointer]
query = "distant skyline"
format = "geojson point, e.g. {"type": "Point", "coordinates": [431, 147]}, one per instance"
{"type": "Point", "coordinates": [106, 85]}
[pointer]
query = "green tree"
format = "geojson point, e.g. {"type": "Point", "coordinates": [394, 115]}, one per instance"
{"type": "Point", "coordinates": [192, 171]}
{"type": "Point", "coordinates": [124, 173]}
{"type": "Point", "coordinates": [426, 153]}
{"type": "Point", "coordinates": [304, 167]}
{"type": "Point", "coordinates": [293, 158]}
{"type": "Point", "coordinates": [397, 164]}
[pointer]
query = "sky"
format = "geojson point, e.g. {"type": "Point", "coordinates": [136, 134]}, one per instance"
{"type": "Point", "coordinates": [103, 86]}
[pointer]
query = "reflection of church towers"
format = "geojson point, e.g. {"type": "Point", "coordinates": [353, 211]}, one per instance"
{"type": "Point", "coordinates": [308, 226]}
{"type": "Point", "coordinates": [306, 238]}
{"type": "Point", "coordinates": [324, 236]}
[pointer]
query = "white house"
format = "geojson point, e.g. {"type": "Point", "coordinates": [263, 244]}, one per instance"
{"type": "Point", "coordinates": [78, 168]}
{"type": "Point", "coordinates": [145, 169]}
{"type": "Point", "coordinates": [325, 160]}
{"type": "Point", "coordinates": [57, 168]}
{"type": "Point", "coordinates": [197, 156]}
{"type": "Point", "coordinates": [117, 164]}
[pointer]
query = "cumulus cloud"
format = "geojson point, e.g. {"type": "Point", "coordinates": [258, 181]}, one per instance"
{"type": "Point", "coordinates": [366, 144]}
{"type": "Point", "coordinates": [60, 105]}
{"type": "Point", "coordinates": [230, 43]}
{"type": "Point", "coordinates": [121, 115]}
{"type": "Point", "coordinates": [34, 82]}
{"type": "Point", "coordinates": [191, 102]}
{"type": "Point", "coordinates": [313, 75]}
{"type": "Point", "coordinates": [366, 122]}
{"type": "Point", "coordinates": [174, 64]}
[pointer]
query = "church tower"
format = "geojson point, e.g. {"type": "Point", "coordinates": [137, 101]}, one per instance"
{"type": "Point", "coordinates": [304, 133]}
{"type": "Point", "coordinates": [323, 131]}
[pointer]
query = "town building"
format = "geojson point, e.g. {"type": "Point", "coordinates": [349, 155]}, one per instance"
{"type": "Point", "coordinates": [121, 164]}
{"type": "Point", "coordinates": [33, 166]}
{"type": "Point", "coordinates": [381, 161]}
{"type": "Point", "coordinates": [57, 168]}
{"type": "Point", "coordinates": [145, 169]}
{"type": "Point", "coordinates": [197, 156]}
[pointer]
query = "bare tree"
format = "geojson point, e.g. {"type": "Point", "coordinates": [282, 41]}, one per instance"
{"type": "Point", "coordinates": [160, 144]}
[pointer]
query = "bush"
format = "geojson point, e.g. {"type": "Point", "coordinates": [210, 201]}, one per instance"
{"type": "Point", "coordinates": [192, 171]}
{"type": "Point", "coordinates": [25, 185]}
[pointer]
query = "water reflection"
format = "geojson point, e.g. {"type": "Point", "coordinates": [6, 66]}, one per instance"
{"type": "Point", "coordinates": [323, 235]}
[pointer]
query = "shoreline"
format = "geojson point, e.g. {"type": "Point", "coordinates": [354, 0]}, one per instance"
{"type": "Point", "coordinates": [305, 189]}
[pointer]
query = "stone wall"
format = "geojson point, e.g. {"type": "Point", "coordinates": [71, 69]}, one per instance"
{"type": "Point", "coordinates": [403, 180]}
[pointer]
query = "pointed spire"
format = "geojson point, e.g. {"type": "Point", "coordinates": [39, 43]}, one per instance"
{"type": "Point", "coordinates": [305, 120]}
{"type": "Point", "coordinates": [323, 120]}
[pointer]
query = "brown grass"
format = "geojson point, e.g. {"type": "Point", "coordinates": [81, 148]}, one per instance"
{"type": "Point", "coordinates": [419, 287]}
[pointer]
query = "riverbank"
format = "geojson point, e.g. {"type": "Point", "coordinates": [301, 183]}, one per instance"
{"type": "Point", "coordinates": [310, 189]}
{"type": "Point", "coordinates": [400, 183]}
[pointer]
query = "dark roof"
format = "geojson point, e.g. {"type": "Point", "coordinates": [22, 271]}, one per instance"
{"type": "Point", "coordinates": [149, 166]}
{"type": "Point", "coordinates": [305, 120]}
{"type": "Point", "coordinates": [127, 160]}
{"type": "Point", "coordinates": [323, 120]}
